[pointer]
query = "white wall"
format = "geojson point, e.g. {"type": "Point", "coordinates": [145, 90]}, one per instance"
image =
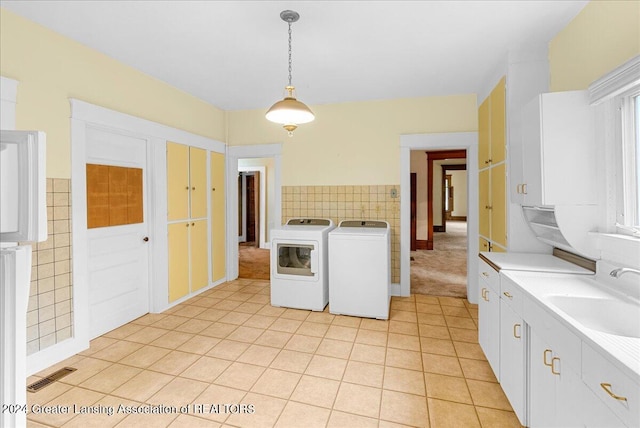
{"type": "Point", "coordinates": [459, 183]}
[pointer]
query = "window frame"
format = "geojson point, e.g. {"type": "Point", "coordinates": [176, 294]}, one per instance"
{"type": "Point", "coordinates": [614, 93]}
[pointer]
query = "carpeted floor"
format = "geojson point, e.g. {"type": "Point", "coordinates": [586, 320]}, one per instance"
{"type": "Point", "coordinates": [254, 262]}
{"type": "Point", "coordinates": [443, 270]}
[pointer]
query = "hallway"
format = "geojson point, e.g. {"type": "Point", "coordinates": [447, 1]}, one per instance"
{"type": "Point", "coordinates": [443, 270]}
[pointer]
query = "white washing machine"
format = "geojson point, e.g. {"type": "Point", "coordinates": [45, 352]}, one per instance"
{"type": "Point", "coordinates": [299, 273]}
{"type": "Point", "coordinates": [360, 269]}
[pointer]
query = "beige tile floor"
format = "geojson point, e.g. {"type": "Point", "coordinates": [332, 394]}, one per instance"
{"type": "Point", "coordinates": [295, 368]}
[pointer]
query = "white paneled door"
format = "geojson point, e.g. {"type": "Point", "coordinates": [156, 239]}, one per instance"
{"type": "Point", "coordinates": [117, 256]}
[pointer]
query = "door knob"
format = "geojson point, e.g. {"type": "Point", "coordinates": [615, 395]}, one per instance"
{"type": "Point", "coordinates": [145, 239]}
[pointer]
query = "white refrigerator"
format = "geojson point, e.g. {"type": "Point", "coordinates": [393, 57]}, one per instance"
{"type": "Point", "coordinates": [23, 219]}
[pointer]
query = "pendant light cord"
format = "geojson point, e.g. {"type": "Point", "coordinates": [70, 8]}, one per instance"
{"type": "Point", "coordinates": [289, 53]}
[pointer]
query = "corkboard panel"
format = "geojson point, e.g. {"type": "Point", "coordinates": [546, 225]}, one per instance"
{"type": "Point", "coordinates": [114, 196]}
{"type": "Point", "coordinates": [97, 196]}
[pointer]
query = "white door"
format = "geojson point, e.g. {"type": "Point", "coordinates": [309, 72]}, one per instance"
{"type": "Point", "coordinates": [117, 256]}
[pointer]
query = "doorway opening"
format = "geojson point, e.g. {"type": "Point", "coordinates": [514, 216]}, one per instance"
{"type": "Point", "coordinates": [439, 245]}
{"type": "Point", "coordinates": [253, 213]}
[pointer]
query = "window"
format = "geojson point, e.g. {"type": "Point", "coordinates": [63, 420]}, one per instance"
{"type": "Point", "coordinates": [628, 212]}
{"type": "Point", "coordinates": [617, 98]}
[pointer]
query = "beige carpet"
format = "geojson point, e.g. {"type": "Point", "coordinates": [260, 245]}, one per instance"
{"type": "Point", "coordinates": [443, 270]}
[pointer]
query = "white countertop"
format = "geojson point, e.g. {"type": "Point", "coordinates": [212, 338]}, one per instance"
{"type": "Point", "coordinates": [624, 352]}
{"type": "Point", "coordinates": [534, 262]}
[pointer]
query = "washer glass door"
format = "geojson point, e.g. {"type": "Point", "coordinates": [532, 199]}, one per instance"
{"type": "Point", "coordinates": [297, 259]}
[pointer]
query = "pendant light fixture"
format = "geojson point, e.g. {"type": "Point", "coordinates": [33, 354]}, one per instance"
{"type": "Point", "coordinates": [290, 112]}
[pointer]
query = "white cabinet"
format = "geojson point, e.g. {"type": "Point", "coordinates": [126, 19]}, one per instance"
{"type": "Point", "coordinates": [558, 152]}
{"type": "Point", "coordinates": [619, 393]}
{"type": "Point", "coordinates": [513, 339]}
{"type": "Point", "coordinates": [555, 387]}
{"type": "Point", "coordinates": [489, 315]}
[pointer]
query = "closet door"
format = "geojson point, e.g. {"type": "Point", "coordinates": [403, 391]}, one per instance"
{"type": "Point", "coordinates": [198, 244]}
{"type": "Point", "coordinates": [484, 134]}
{"type": "Point", "coordinates": [218, 249]}
{"type": "Point", "coordinates": [177, 181]}
{"type": "Point", "coordinates": [198, 182]}
{"type": "Point", "coordinates": [178, 260]}
{"type": "Point", "coordinates": [484, 204]}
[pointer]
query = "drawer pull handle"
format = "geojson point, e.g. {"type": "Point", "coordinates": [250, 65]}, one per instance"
{"type": "Point", "coordinates": [524, 189]}
{"type": "Point", "coordinates": [544, 355]}
{"type": "Point", "coordinates": [506, 293]}
{"type": "Point", "coordinates": [515, 329]}
{"type": "Point", "coordinates": [485, 274]}
{"type": "Point", "coordinates": [607, 388]}
{"type": "Point", "coordinates": [484, 293]}
{"type": "Point", "coordinates": [553, 366]}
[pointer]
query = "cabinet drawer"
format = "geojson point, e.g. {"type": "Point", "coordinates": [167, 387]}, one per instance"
{"type": "Point", "coordinates": [489, 275]}
{"type": "Point", "coordinates": [599, 373]}
{"type": "Point", "coordinates": [511, 293]}
{"type": "Point", "coordinates": [562, 342]}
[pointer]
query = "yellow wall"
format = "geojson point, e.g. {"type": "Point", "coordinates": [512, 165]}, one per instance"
{"type": "Point", "coordinates": [604, 35]}
{"type": "Point", "coordinates": [355, 143]}
{"type": "Point", "coordinates": [51, 69]}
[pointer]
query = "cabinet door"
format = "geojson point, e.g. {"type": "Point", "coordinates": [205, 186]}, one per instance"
{"type": "Point", "coordinates": [483, 134]}
{"type": "Point", "coordinates": [498, 122]}
{"type": "Point", "coordinates": [489, 326]}
{"type": "Point", "coordinates": [218, 249]}
{"type": "Point", "coordinates": [177, 181]}
{"type": "Point", "coordinates": [483, 244]}
{"type": "Point", "coordinates": [512, 358]}
{"type": "Point", "coordinates": [531, 153]}
{"type": "Point", "coordinates": [542, 390]}
{"type": "Point", "coordinates": [198, 181]}
{"type": "Point", "coordinates": [483, 203]}
{"type": "Point", "coordinates": [498, 211]}
{"type": "Point", "coordinates": [199, 256]}
{"type": "Point", "coordinates": [178, 242]}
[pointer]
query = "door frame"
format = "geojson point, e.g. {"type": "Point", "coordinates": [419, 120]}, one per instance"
{"type": "Point", "coordinates": [84, 114]}
{"type": "Point", "coordinates": [263, 202]}
{"type": "Point", "coordinates": [439, 141]}
{"type": "Point", "coordinates": [235, 153]}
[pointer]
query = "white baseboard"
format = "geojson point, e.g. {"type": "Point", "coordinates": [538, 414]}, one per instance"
{"type": "Point", "coordinates": [54, 354]}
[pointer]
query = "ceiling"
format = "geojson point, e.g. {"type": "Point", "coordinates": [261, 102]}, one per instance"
{"type": "Point", "coordinates": [233, 54]}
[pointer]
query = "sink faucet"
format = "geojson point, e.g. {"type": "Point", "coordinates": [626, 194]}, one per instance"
{"type": "Point", "coordinates": [617, 273]}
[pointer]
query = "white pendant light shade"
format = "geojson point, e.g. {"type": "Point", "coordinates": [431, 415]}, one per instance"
{"type": "Point", "coordinates": [290, 111]}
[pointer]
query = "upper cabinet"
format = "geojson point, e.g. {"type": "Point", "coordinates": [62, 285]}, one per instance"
{"type": "Point", "coordinates": [492, 127]}
{"type": "Point", "coordinates": [484, 133]}
{"type": "Point", "coordinates": [492, 170]}
{"type": "Point", "coordinates": [498, 122]}
{"type": "Point", "coordinates": [558, 161]}
{"type": "Point", "coordinates": [186, 182]}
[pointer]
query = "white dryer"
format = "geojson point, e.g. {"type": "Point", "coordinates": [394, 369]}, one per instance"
{"type": "Point", "coordinates": [360, 269]}
{"type": "Point", "coordinates": [299, 273]}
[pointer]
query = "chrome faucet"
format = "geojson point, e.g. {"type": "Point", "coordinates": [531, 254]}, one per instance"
{"type": "Point", "coordinates": [617, 273]}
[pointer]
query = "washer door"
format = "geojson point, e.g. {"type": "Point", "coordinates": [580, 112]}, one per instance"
{"type": "Point", "coordinates": [295, 259]}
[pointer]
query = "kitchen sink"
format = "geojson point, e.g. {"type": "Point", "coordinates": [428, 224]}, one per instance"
{"type": "Point", "coordinates": [604, 314]}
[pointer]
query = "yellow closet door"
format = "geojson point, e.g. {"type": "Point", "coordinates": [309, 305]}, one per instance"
{"type": "Point", "coordinates": [483, 134]}
{"type": "Point", "coordinates": [498, 122]}
{"type": "Point", "coordinates": [198, 180]}
{"type": "Point", "coordinates": [177, 181]}
{"type": "Point", "coordinates": [178, 260]}
{"type": "Point", "coordinates": [218, 224]}
{"type": "Point", "coordinates": [199, 255]}
{"type": "Point", "coordinates": [484, 203]}
{"type": "Point", "coordinates": [499, 205]}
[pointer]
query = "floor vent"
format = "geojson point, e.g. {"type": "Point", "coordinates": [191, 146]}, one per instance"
{"type": "Point", "coordinates": [38, 385]}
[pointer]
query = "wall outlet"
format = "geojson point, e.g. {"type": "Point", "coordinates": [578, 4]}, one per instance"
{"type": "Point", "coordinates": [394, 193]}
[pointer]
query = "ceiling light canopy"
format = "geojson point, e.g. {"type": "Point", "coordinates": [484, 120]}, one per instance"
{"type": "Point", "coordinates": [290, 112]}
